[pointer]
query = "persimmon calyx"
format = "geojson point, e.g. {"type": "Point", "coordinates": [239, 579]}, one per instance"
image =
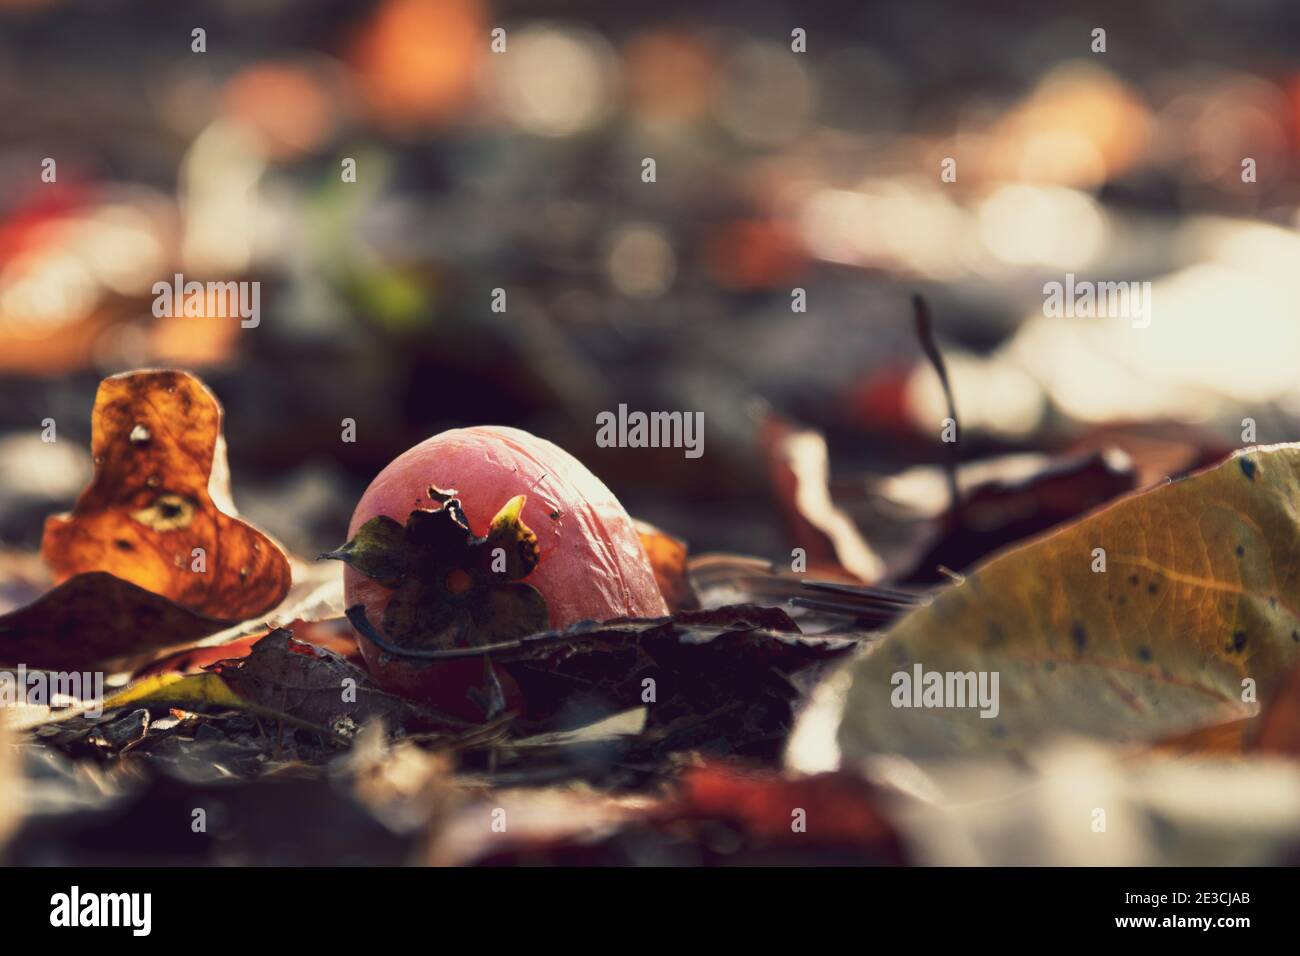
{"type": "Point", "coordinates": [451, 588]}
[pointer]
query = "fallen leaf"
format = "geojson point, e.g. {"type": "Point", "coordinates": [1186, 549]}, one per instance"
{"type": "Point", "coordinates": [94, 617]}
{"type": "Point", "coordinates": [405, 786]}
{"type": "Point", "coordinates": [313, 608]}
{"type": "Point", "coordinates": [1077, 803]}
{"type": "Point", "coordinates": [312, 683]}
{"type": "Point", "coordinates": [825, 810]}
{"type": "Point", "coordinates": [158, 493]}
{"type": "Point", "coordinates": [1159, 450]}
{"type": "Point", "coordinates": [868, 606]}
{"type": "Point", "coordinates": [1200, 591]}
{"type": "Point", "coordinates": [1009, 499]}
{"type": "Point", "coordinates": [629, 723]}
{"type": "Point", "coordinates": [178, 690]}
{"type": "Point", "coordinates": [798, 464]}
{"type": "Point", "coordinates": [1229, 738]}
{"type": "Point", "coordinates": [336, 635]}
{"type": "Point", "coordinates": [1279, 724]}
{"type": "Point", "coordinates": [722, 815]}
{"type": "Point", "coordinates": [721, 579]}
{"type": "Point", "coordinates": [668, 557]}
{"type": "Point", "coordinates": [719, 679]}
{"type": "Point", "coordinates": [546, 826]}
{"type": "Point", "coordinates": [277, 821]}
{"type": "Point", "coordinates": [151, 555]}
{"type": "Point", "coordinates": [284, 679]}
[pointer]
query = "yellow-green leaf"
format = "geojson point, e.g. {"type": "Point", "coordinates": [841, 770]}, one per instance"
{"type": "Point", "coordinates": [192, 691]}
{"type": "Point", "coordinates": [189, 691]}
{"type": "Point", "coordinates": [1200, 596]}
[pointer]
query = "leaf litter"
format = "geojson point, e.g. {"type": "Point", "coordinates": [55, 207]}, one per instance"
{"type": "Point", "coordinates": [745, 727]}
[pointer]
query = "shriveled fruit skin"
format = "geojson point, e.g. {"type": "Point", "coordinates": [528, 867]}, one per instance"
{"type": "Point", "coordinates": [593, 565]}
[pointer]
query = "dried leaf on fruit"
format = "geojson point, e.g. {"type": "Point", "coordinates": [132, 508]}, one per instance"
{"type": "Point", "coordinates": [451, 588]}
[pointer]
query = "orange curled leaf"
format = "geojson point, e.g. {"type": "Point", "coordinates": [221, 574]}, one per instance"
{"type": "Point", "coordinates": [151, 555]}
{"type": "Point", "coordinates": [149, 516]}
{"type": "Point", "coordinates": [668, 558]}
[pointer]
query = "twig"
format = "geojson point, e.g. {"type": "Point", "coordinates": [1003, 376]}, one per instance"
{"type": "Point", "coordinates": [925, 333]}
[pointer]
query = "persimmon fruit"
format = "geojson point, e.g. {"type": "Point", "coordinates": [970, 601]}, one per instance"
{"type": "Point", "coordinates": [585, 557]}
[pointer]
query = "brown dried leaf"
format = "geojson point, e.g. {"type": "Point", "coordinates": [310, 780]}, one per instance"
{"type": "Point", "coordinates": [334, 635]}
{"type": "Point", "coordinates": [721, 677]}
{"type": "Point", "coordinates": [798, 464]}
{"type": "Point", "coordinates": [313, 684]}
{"type": "Point", "coordinates": [130, 573]}
{"type": "Point", "coordinates": [159, 465]}
{"type": "Point", "coordinates": [92, 618]}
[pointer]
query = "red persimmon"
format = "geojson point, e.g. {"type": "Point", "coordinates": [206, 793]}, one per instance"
{"type": "Point", "coordinates": [588, 563]}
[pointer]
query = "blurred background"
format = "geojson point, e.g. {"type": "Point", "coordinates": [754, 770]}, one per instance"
{"type": "Point", "coordinates": [775, 171]}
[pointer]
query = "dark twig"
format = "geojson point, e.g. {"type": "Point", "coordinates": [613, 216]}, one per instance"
{"type": "Point", "coordinates": [357, 615]}
{"type": "Point", "coordinates": [925, 333]}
